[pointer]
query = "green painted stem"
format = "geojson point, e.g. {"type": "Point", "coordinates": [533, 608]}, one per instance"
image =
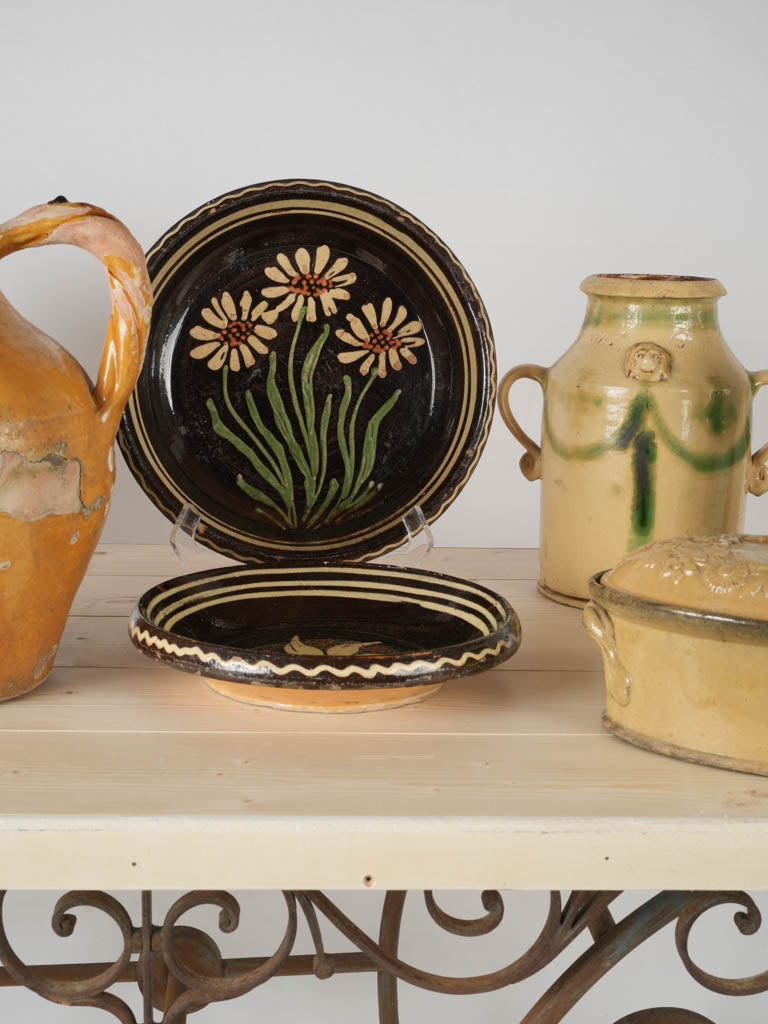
{"type": "Point", "coordinates": [308, 396]}
{"type": "Point", "coordinates": [291, 379]}
{"type": "Point", "coordinates": [353, 506]}
{"type": "Point", "coordinates": [279, 451]}
{"type": "Point", "coordinates": [283, 424]}
{"type": "Point", "coordinates": [244, 426]}
{"type": "Point", "coordinates": [333, 487]}
{"type": "Point", "coordinates": [370, 441]}
{"type": "Point", "coordinates": [263, 499]}
{"type": "Point", "coordinates": [324, 421]}
{"type": "Point", "coordinates": [224, 432]}
{"type": "Point", "coordinates": [348, 478]}
{"type": "Point", "coordinates": [274, 452]}
{"type": "Point", "coordinates": [341, 434]}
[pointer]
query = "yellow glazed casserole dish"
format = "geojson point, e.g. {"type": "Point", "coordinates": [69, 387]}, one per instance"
{"type": "Point", "coordinates": [683, 629]}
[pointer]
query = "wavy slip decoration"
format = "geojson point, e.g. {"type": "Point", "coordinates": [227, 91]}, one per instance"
{"type": "Point", "coordinates": [144, 637]}
{"type": "Point", "coordinates": [381, 637]}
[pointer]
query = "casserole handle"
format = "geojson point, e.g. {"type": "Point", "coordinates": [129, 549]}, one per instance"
{"type": "Point", "coordinates": [758, 470]}
{"type": "Point", "coordinates": [599, 625]}
{"type": "Point", "coordinates": [530, 463]}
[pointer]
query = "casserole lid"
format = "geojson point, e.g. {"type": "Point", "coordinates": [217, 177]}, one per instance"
{"type": "Point", "coordinates": [725, 575]}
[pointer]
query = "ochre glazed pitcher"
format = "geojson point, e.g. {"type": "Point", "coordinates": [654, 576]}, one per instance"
{"type": "Point", "coordinates": [646, 428]}
{"type": "Point", "coordinates": [56, 436]}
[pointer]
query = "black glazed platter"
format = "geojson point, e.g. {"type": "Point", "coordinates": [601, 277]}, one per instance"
{"type": "Point", "coordinates": [359, 636]}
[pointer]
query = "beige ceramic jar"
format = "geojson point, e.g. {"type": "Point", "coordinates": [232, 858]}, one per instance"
{"type": "Point", "coordinates": [646, 428]}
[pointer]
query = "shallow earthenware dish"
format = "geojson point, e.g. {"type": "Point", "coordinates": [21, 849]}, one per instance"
{"type": "Point", "coordinates": [325, 638]}
{"type": "Point", "coordinates": [319, 362]}
{"type": "Point", "coordinates": [683, 629]}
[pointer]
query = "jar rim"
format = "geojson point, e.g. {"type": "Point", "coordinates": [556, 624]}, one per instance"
{"type": "Point", "coordinates": [653, 286]}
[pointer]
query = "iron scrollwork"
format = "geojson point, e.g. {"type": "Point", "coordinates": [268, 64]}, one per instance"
{"type": "Point", "coordinates": [90, 990]}
{"type": "Point", "coordinates": [180, 969]}
{"type": "Point", "coordinates": [747, 921]}
{"type": "Point", "coordinates": [199, 989]}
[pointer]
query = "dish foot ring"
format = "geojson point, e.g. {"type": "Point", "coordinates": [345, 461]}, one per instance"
{"type": "Point", "coordinates": [335, 702]}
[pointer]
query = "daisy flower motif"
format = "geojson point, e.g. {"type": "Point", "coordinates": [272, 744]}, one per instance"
{"type": "Point", "coordinates": [306, 283]}
{"type": "Point", "coordinates": [385, 338]}
{"type": "Point", "coordinates": [233, 334]}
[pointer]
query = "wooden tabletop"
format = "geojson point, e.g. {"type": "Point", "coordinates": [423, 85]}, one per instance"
{"type": "Point", "coordinates": [122, 773]}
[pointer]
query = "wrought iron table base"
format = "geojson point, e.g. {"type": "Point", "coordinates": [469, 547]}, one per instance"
{"type": "Point", "coordinates": [180, 970]}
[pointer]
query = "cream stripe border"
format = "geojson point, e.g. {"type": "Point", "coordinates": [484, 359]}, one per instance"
{"type": "Point", "coordinates": [342, 569]}
{"type": "Point", "coordinates": [402, 214]}
{"type": "Point", "coordinates": [363, 592]}
{"type": "Point", "coordinates": [451, 299]}
{"type": "Point", "coordinates": [147, 639]}
{"type": "Point", "coordinates": [339, 571]}
{"type": "Point", "coordinates": [434, 606]}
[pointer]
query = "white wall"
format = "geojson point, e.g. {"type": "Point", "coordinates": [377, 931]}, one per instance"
{"type": "Point", "coordinates": [543, 141]}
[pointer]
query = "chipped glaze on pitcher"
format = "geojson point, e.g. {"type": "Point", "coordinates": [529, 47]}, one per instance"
{"type": "Point", "coordinates": [646, 428]}
{"type": "Point", "coordinates": [56, 436]}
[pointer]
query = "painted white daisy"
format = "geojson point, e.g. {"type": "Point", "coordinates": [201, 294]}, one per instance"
{"type": "Point", "coordinates": [385, 337]}
{"type": "Point", "coordinates": [308, 282]}
{"type": "Point", "coordinates": [233, 334]}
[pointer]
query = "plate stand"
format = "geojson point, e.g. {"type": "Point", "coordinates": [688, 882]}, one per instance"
{"type": "Point", "coordinates": [414, 552]}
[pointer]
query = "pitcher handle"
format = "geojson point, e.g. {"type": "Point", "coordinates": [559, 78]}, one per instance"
{"type": "Point", "coordinates": [530, 463]}
{"type": "Point", "coordinates": [758, 470]}
{"type": "Point", "coordinates": [92, 228]}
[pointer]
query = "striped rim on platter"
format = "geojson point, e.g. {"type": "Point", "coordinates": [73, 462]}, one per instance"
{"type": "Point", "coordinates": [325, 627]}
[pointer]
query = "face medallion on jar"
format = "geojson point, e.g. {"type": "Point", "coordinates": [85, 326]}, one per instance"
{"type": "Point", "coordinates": [648, 362]}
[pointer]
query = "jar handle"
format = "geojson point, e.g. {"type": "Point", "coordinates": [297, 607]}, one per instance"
{"type": "Point", "coordinates": [758, 470]}
{"type": "Point", "coordinates": [530, 463]}
{"type": "Point", "coordinates": [92, 228]}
